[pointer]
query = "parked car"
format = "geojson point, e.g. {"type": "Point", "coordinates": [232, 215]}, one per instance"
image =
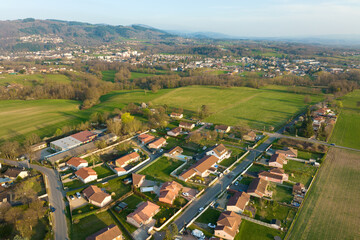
{"type": "Point", "coordinates": [72, 176]}
{"type": "Point", "coordinates": [211, 225]}
{"type": "Point", "coordinates": [78, 195]}
{"type": "Point", "coordinates": [71, 197]}
{"type": "Point", "coordinates": [216, 205]}
{"type": "Point", "coordinates": [201, 209]}
{"type": "Point", "coordinates": [185, 194]}
{"type": "Point", "coordinates": [52, 209]}
{"type": "Point", "coordinates": [236, 183]}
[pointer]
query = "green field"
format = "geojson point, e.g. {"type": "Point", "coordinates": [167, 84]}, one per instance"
{"type": "Point", "coordinates": [109, 75]}
{"type": "Point", "coordinates": [271, 106]}
{"type": "Point", "coordinates": [31, 80]}
{"type": "Point", "coordinates": [253, 231]}
{"type": "Point", "coordinates": [347, 127]}
{"type": "Point", "coordinates": [332, 210]}
{"type": "Point", "coordinates": [161, 169]}
{"type": "Point", "coordinates": [300, 172]}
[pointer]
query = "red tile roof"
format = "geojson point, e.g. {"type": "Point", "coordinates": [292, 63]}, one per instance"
{"type": "Point", "coordinates": [84, 136]}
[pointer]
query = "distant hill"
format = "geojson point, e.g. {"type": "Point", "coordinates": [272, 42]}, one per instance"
{"type": "Point", "coordinates": [73, 32]}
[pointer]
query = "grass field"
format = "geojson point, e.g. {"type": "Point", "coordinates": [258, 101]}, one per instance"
{"type": "Point", "coordinates": [253, 231]}
{"type": "Point", "coordinates": [300, 172]}
{"type": "Point", "coordinates": [162, 168]}
{"type": "Point", "coordinates": [90, 225]}
{"type": "Point", "coordinates": [347, 128]}
{"type": "Point", "coordinates": [31, 80]}
{"type": "Point", "coordinates": [209, 216]}
{"type": "Point", "coordinates": [332, 210]}
{"type": "Point", "coordinates": [103, 171]}
{"type": "Point", "coordinates": [271, 106]}
{"type": "Point", "coordinates": [110, 75]}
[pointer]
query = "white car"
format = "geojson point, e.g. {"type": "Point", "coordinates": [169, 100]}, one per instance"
{"type": "Point", "coordinates": [185, 194]}
{"type": "Point", "coordinates": [78, 195]}
{"type": "Point", "coordinates": [71, 197]}
{"type": "Point", "coordinates": [201, 209]}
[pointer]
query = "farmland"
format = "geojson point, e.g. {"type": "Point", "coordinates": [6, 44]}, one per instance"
{"type": "Point", "coordinates": [270, 106]}
{"type": "Point", "coordinates": [30, 80]}
{"type": "Point", "coordinates": [331, 210]}
{"type": "Point", "coordinates": [347, 128]}
{"type": "Point", "coordinates": [110, 75]}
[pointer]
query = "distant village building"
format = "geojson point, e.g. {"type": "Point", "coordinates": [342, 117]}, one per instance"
{"type": "Point", "coordinates": [14, 173]}
{"type": "Point", "coordinates": [157, 143]}
{"type": "Point", "coordinates": [288, 152]}
{"type": "Point", "coordinates": [72, 141]}
{"type": "Point", "coordinates": [187, 125]}
{"type": "Point", "coordinates": [145, 138]}
{"type": "Point", "coordinates": [250, 136]}
{"type": "Point", "coordinates": [176, 115]}
{"type": "Point", "coordinates": [38, 146]}
{"type": "Point", "coordinates": [174, 132]}
{"type": "Point", "coordinates": [222, 128]}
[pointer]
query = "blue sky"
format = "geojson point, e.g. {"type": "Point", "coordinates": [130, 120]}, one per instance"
{"type": "Point", "coordinates": [251, 18]}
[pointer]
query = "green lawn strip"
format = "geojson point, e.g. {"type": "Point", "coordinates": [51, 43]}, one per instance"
{"type": "Point", "coordinates": [162, 168]}
{"type": "Point", "coordinates": [85, 209]}
{"type": "Point", "coordinates": [209, 216]}
{"type": "Point", "coordinates": [246, 180]}
{"type": "Point", "coordinates": [74, 184]}
{"type": "Point", "coordinates": [252, 231]}
{"type": "Point", "coordinates": [103, 171]}
{"type": "Point", "coordinates": [91, 224]}
{"type": "Point", "coordinates": [207, 233]}
{"type": "Point", "coordinates": [281, 193]}
{"type": "Point", "coordinates": [300, 172]}
{"type": "Point", "coordinates": [117, 186]}
{"type": "Point", "coordinates": [309, 155]}
{"type": "Point", "coordinates": [257, 168]}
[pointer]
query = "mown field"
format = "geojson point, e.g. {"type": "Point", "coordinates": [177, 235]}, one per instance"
{"type": "Point", "coordinates": [109, 75]}
{"type": "Point", "coordinates": [332, 208]}
{"type": "Point", "coordinates": [347, 128]}
{"type": "Point", "coordinates": [271, 106]}
{"type": "Point", "coordinates": [33, 79]}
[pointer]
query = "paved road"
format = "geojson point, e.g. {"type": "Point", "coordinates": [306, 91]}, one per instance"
{"type": "Point", "coordinates": [278, 135]}
{"type": "Point", "coordinates": [212, 192]}
{"type": "Point", "coordinates": [56, 196]}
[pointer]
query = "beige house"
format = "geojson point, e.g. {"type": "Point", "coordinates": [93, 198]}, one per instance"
{"type": "Point", "coordinates": [143, 214]}
{"type": "Point", "coordinates": [227, 225]}
{"type": "Point", "coordinates": [238, 202]}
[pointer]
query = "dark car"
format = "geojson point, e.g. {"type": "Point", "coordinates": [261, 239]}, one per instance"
{"type": "Point", "coordinates": [52, 209]}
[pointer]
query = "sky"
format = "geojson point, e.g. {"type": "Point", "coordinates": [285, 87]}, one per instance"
{"type": "Point", "coordinates": [242, 18]}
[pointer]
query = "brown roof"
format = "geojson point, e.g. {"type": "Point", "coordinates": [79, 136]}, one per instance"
{"type": "Point", "coordinates": [108, 233]}
{"type": "Point", "coordinates": [221, 127]}
{"type": "Point", "coordinates": [175, 150]}
{"type": "Point", "coordinates": [128, 157]}
{"type": "Point", "coordinates": [76, 161]}
{"type": "Point", "coordinates": [146, 138]}
{"type": "Point", "coordinates": [145, 211]}
{"type": "Point", "coordinates": [270, 175]}
{"type": "Point", "coordinates": [137, 178]}
{"type": "Point", "coordinates": [228, 222]}
{"type": "Point", "coordinates": [220, 149]}
{"type": "Point", "coordinates": [298, 187]}
{"type": "Point", "coordinates": [188, 173]}
{"type": "Point", "coordinates": [186, 124]}
{"type": "Point", "coordinates": [91, 190]}
{"type": "Point", "coordinates": [277, 157]}
{"type": "Point", "coordinates": [288, 151]}
{"type": "Point", "coordinates": [158, 142]}
{"type": "Point", "coordinates": [175, 114]}
{"type": "Point", "coordinates": [83, 136]}
{"type": "Point", "coordinates": [98, 197]}
{"type": "Point", "coordinates": [279, 171]}
{"type": "Point", "coordinates": [201, 166]}
{"type": "Point", "coordinates": [13, 172]}
{"type": "Point", "coordinates": [251, 134]}
{"type": "Point", "coordinates": [169, 191]}
{"type": "Point", "coordinates": [175, 130]}
{"type": "Point", "coordinates": [258, 185]}
{"type": "Point", "coordinates": [85, 172]}
{"type": "Point", "coordinates": [239, 199]}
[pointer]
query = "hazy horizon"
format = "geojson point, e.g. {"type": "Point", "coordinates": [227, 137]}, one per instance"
{"type": "Point", "coordinates": [274, 18]}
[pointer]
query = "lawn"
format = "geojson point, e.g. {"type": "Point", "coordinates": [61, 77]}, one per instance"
{"type": "Point", "coordinates": [257, 168]}
{"type": "Point", "coordinates": [252, 231]}
{"type": "Point", "coordinates": [91, 224]}
{"type": "Point", "coordinates": [162, 168]}
{"type": "Point", "coordinates": [309, 155]}
{"type": "Point", "coordinates": [103, 171]}
{"type": "Point", "coordinates": [300, 172]}
{"type": "Point", "coordinates": [209, 216]}
{"type": "Point", "coordinates": [282, 193]}
{"type": "Point", "coordinates": [331, 209]}
{"type": "Point", "coordinates": [116, 186]}
{"type": "Point", "coordinates": [74, 184]}
{"type": "Point", "coordinates": [347, 128]}
{"type": "Point", "coordinates": [109, 75]}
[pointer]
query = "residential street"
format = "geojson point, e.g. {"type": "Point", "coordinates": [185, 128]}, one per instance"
{"type": "Point", "coordinates": [56, 196]}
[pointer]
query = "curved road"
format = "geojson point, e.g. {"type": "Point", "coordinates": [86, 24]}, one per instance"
{"type": "Point", "coordinates": [56, 197]}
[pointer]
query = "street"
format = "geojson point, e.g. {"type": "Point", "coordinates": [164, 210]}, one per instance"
{"type": "Point", "coordinates": [56, 196]}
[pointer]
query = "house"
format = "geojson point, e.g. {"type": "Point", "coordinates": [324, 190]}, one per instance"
{"type": "Point", "coordinates": [276, 175]}
{"type": "Point", "coordinates": [176, 115]}
{"type": "Point", "coordinates": [250, 136]}
{"type": "Point", "coordinates": [128, 158]}
{"type": "Point", "coordinates": [77, 163]}
{"type": "Point", "coordinates": [72, 141]}
{"type": "Point", "coordinates": [277, 160]}
{"type": "Point", "coordinates": [288, 152]}
{"type": "Point", "coordinates": [145, 138]}
{"type": "Point", "coordinates": [38, 146]}
{"type": "Point", "coordinates": [202, 168]}
{"type": "Point", "coordinates": [86, 174]}
{"type": "Point", "coordinates": [137, 179]}
{"type": "Point", "coordinates": [175, 151]}
{"type": "Point", "coordinates": [227, 225]}
{"type": "Point", "coordinates": [96, 197]}
{"type": "Point", "coordinates": [117, 118]}
{"type": "Point", "coordinates": [111, 232]}
{"type": "Point", "coordinates": [258, 188]}
{"type": "Point", "coordinates": [157, 143]}
{"type": "Point", "coordinates": [238, 202]}
{"type": "Point", "coordinates": [4, 196]}
{"type": "Point", "coordinates": [169, 191]}
{"type": "Point", "coordinates": [14, 173]}
{"type": "Point", "coordinates": [143, 214]}
{"type": "Point", "coordinates": [187, 125]}
{"type": "Point", "coordinates": [108, 138]}
{"type": "Point", "coordinates": [219, 151]}
{"type": "Point", "coordinates": [76, 151]}
{"type": "Point", "coordinates": [298, 189]}
{"type": "Point", "coordinates": [222, 128]}
{"type": "Point", "coordinates": [174, 132]}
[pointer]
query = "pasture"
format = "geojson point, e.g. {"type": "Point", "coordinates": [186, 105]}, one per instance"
{"type": "Point", "coordinates": [347, 127]}
{"type": "Point", "coordinates": [32, 80]}
{"type": "Point", "coordinates": [332, 210]}
{"type": "Point", "coordinates": [109, 75]}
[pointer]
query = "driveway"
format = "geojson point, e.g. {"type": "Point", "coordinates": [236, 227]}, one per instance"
{"type": "Point", "coordinates": [142, 232]}
{"type": "Point", "coordinates": [77, 203]}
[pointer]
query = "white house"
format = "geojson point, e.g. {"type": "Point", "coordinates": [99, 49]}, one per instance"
{"type": "Point", "coordinates": [86, 174]}
{"type": "Point", "coordinates": [219, 151]}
